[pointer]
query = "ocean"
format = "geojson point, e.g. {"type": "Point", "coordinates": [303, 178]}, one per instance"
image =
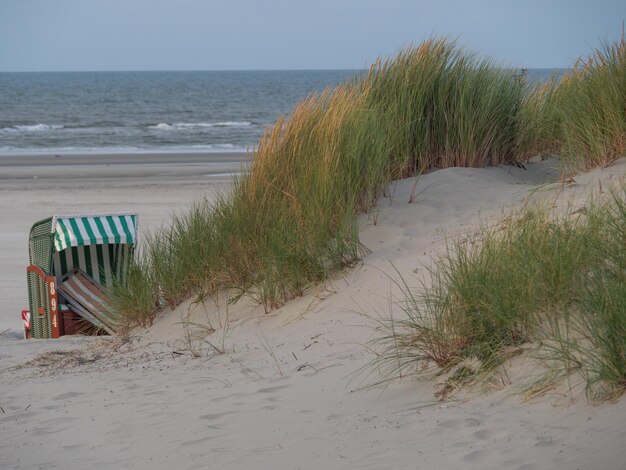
{"type": "Point", "coordinates": [92, 112]}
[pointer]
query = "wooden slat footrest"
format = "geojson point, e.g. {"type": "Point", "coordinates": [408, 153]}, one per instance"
{"type": "Point", "coordinates": [85, 297]}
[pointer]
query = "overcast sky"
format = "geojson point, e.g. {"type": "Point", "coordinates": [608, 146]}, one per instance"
{"type": "Point", "coordinates": [291, 34]}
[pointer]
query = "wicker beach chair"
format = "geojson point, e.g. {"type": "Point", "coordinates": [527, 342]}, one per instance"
{"type": "Point", "coordinates": [88, 252]}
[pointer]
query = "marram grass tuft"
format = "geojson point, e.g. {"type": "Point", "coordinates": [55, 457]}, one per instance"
{"type": "Point", "coordinates": [291, 220]}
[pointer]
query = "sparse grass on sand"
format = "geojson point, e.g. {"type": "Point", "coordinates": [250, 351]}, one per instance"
{"type": "Point", "coordinates": [558, 280]}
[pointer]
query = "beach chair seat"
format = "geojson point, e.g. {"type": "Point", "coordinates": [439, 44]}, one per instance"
{"type": "Point", "coordinates": [89, 300]}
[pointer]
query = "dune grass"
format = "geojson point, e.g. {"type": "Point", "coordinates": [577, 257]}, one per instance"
{"type": "Point", "coordinates": [534, 277]}
{"type": "Point", "coordinates": [290, 221]}
{"type": "Point", "coordinates": [584, 114]}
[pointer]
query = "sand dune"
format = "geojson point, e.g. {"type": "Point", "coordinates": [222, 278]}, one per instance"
{"type": "Point", "coordinates": [279, 390]}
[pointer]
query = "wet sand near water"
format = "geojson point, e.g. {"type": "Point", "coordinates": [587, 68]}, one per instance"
{"type": "Point", "coordinates": [15, 170]}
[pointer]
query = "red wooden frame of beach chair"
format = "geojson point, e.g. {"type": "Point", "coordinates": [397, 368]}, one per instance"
{"type": "Point", "coordinates": [51, 291]}
{"type": "Point", "coordinates": [26, 321]}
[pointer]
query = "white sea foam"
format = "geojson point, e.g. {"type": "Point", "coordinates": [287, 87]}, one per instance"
{"type": "Point", "coordinates": [161, 125]}
{"type": "Point", "coordinates": [199, 125]}
{"type": "Point", "coordinates": [32, 128]}
{"type": "Point", "coordinates": [220, 146]}
{"type": "Point", "coordinates": [232, 124]}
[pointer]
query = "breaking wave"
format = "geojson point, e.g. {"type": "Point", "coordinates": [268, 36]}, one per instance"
{"type": "Point", "coordinates": [32, 128]}
{"type": "Point", "coordinates": [199, 125]}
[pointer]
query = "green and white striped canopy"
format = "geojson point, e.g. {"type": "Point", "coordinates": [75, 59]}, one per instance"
{"type": "Point", "coordinates": [74, 231]}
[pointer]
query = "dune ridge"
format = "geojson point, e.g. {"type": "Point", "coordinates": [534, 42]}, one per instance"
{"type": "Point", "coordinates": [277, 390]}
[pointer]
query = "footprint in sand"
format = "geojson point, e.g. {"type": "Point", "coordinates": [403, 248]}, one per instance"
{"type": "Point", "coordinates": [460, 423]}
{"type": "Point", "coordinates": [272, 389]}
{"type": "Point", "coordinates": [230, 396]}
{"type": "Point", "coordinates": [489, 435]}
{"type": "Point", "coordinates": [544, 441]}
{"type": "Point", "coordinates": [528, 466]}
{"type": "Point", "coordinates": [195, 442]}
{"type": "Point", "coordinates": [475, 456]}
{"type": "Point", "coordinates": [66, 396]}
{"type": "Point", "coordinates": [212, 416]}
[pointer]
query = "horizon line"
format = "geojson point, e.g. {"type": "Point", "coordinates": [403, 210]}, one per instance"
{"type": "Point", "coordinates": [237, 70]}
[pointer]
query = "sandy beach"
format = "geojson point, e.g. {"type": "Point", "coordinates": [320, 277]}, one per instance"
{"type": "Point", "coordinates": [275, 390]}
{"type": "Point", "coordinates": [33, 187]}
